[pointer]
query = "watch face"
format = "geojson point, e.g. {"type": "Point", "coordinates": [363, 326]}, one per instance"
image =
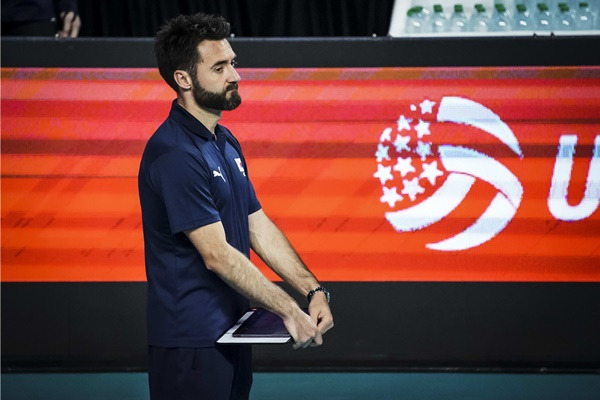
{"type": "Point", "coordinates": [326, 292]}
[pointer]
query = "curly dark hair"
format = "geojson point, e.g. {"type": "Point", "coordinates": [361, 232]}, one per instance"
{"type": "Point", "coordinates": [177, 40]}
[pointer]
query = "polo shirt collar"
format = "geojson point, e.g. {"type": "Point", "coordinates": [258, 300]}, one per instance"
{"type": "Point", "coordinates": [188, 121]}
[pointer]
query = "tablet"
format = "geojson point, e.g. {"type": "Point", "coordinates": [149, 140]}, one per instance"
{"type": "Point", "coordinates": [255, 327]}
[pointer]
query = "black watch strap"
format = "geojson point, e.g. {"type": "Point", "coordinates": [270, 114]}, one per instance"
{"type": "Point", "coordinates": [310, 294]}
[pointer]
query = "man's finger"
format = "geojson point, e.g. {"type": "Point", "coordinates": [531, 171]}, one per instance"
{"type": "Point", "coordinates": [303, 345]}
{"type": "Point", "coordinates": [76, 26]}
{"type": "Point", "coordinates": [298, 345]}
{"type": "Point", "coordinates": [325, 324]}
{"type": "Point", "coordinates": [71, 24]}
{"type": "Point", "coordinates": [318, 340]}
{"type": "Point", "coordinates": [67, 19]}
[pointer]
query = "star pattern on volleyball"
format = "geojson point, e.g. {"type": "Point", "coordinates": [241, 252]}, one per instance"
{"type": "Point", "coordinates": [412, 188]}
{"type": "Point", "coordinates": [427, 106]}
{"type": "Point", "coordinates": [386, 135]}
{"type": "Point", "coordinates": [423, 150]}
{"type": "Point", "coordinates": [404, 166]}
{"type": "Point", "coordinates": [401, 143]}
{"type": "Point", "coordinates": [430, 172]}
{"type": "Point", "coordinates": [422, 129]}
{"type": "Point", "coordinates": [383, 173]}
{"type": "Point", "coordinates": [382, 153]}
{"type": "Point", "coordinates": [390, 196]}
{"type": "Point", "coordinates": [403, 123]}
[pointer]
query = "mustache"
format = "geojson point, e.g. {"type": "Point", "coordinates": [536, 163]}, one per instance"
{"type": "Point", "coordinates": [232, 86]}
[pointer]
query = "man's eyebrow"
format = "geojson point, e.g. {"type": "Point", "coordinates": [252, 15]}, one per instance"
{"type": "Point", "coordinates": [222, 62]}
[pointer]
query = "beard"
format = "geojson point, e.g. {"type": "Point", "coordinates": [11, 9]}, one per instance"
{"type": "Point", "coordinates": [216, 101]}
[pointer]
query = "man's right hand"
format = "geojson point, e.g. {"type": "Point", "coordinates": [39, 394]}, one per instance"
{"type": "Point", "coordinates": [303, 330]}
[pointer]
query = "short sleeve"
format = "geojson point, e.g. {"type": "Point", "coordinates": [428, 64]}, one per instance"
{"type": "Point", "coordinates": [182, 181]}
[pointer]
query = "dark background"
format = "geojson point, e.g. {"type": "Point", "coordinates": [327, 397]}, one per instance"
{"type": "Point", "coordinates": [379, 326]}
{"type": "Point", "coordinates": [249, 18]}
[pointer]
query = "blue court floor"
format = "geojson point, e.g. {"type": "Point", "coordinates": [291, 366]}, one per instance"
{"type": "Point", "coordinates": [317, 386]}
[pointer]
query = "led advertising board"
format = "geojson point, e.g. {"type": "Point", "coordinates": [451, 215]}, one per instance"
{"type": "Point", "coordinates": [375, 174]}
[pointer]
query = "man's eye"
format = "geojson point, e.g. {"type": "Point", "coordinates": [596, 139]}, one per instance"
{"type": "Point", "coordinates": [221, 68]}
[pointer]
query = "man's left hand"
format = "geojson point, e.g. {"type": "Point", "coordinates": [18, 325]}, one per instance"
{"type": "Point", "coordinates": [319, 311]}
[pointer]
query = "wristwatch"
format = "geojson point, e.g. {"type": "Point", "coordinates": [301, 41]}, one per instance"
{"type": "Point", "coordinates": [310, 294]}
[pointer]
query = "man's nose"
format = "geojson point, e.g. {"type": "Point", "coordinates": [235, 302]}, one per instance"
{"type": "Point", "coordinates": [233, 75]}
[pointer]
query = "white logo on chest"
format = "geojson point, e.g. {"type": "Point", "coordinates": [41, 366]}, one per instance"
{"type": "Point", "coordinates": [218, 173]}
{"type": "Point", "coordinates": [240, 166]}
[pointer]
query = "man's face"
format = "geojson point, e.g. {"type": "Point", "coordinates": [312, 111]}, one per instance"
{"type": "Point", "coordinates": [215, 83]}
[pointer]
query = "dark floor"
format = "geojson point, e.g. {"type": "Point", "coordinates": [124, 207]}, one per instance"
{"type": "Point", "coordinates": [330, 386]}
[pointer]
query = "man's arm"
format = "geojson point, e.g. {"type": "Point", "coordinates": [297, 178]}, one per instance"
{"type": "Point", "coordinates": [239, 273]}
{"type": "Point", "coordinates": [272, 246]}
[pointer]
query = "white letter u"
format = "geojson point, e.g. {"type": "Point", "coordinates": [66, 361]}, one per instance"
{"type": "Point", "coordinates": [561, 177]}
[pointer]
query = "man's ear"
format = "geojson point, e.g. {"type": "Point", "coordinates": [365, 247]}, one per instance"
{"type": "Point", "coordinates": [183, 79]}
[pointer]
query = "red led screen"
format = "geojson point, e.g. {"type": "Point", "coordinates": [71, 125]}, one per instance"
{"type": "Point", "coordinates": [384, 174]}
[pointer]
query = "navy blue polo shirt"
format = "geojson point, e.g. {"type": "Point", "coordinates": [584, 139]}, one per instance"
{"type": "Point", "coordinates": [189, 178]}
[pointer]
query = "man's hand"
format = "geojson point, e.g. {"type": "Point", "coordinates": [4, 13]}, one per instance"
{"type": "Point", "coordinates": [238, 272]}
{"type": "Point", "coordinates": [303, 329]}
{"type": "Point", "coordinates": [320, 312]}
{"type": "Point", "coordinates": [71, 23]}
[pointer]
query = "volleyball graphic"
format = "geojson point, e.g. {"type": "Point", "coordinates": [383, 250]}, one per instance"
{"type": "Point", "coordinates": [413, 168]}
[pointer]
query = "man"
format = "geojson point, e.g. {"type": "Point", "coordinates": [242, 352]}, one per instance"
{"type": "Point", "coordinates": [201, 216]}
